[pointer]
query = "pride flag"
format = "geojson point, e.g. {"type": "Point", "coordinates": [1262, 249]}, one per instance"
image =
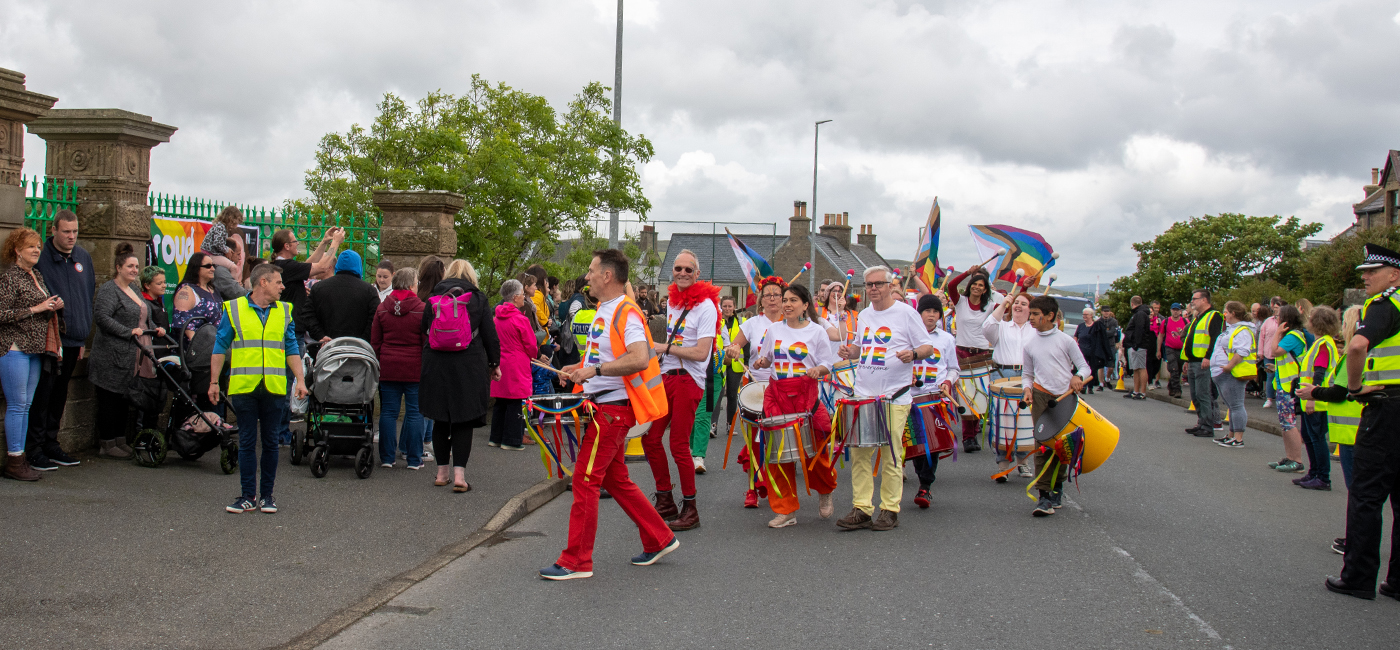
{"type": "Point", "coordinates": [1025, 251]}
{"type": "Point", "coordinates": [926, 267]}
{"type": "Point", "coordinates": [754, 266]}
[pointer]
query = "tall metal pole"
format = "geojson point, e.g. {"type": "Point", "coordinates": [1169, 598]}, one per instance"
{"type": "Point", "coordinates": [617, 119]}
{"type": "Point", "coordinates": [812, 225]}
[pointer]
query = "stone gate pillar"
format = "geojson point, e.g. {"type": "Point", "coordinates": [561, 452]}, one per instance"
{"type": "Point", "coordinates": [418, 224]}
{"type": "Point", "coordinates": [17, 108]}
{"type": "Point", "coordinates": [106, 152]}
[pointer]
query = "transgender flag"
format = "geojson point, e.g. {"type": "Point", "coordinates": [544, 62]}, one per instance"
{"type": "Point", "coordinates": [754, 266]}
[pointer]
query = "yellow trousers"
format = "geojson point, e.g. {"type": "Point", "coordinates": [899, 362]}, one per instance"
{"type": "Point", "coordinates": [891, 468]}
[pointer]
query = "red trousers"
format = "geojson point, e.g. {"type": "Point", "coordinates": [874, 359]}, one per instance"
{"type": "Point", "coordinates": [799, 395]}
{"type": "Point", "coordinates": [601, 465]}
{"type": "Point", "coordinates": [683, 397]}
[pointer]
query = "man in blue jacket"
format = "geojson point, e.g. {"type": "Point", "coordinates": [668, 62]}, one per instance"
{"type": "Point", "coordinates": [68, 274]}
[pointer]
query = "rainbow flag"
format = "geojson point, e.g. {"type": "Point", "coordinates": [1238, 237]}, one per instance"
{"type": "Point", "coordinates": [926, 267]}
{"type": "Point", "coordinates": [754, 266]}
{"type": "Point", "coordinates": [1025, 251]}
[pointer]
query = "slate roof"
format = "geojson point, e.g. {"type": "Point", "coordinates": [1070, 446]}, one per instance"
{"type": "Point", "coordinates": [1373, 203]}
{"type": "Point", "coordinates": [858, 257]}
{"type": "Point", "coordinates": [709, 247]}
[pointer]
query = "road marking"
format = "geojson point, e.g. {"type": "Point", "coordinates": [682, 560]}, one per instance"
{"type": "Point", "coordinates": [1142, 574]}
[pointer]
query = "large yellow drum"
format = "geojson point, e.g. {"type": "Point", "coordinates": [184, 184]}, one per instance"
{"type": "Point", "coordinates": [1100, 435]}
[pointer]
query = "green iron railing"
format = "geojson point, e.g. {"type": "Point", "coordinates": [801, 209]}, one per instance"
{"type": "Point", "coordinates": [361, 230]}
{"type": "Point", "coordinates": [44, 198]}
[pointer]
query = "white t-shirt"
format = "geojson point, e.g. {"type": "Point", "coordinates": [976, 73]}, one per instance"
{"type": "Point", "coordinates": [970, 322]}
{"type": "Point", "coordinates": [883, 334]}
{"type": "Point", "coordinates": [941, 367]}
{"type": "Point", "coordinates": [599, 350]}
{"type": "Point", "coordinates": [1007, 339]}
{"type": "Point", "coordinates": [699, 323]}
{"type": "Point", "coordinates": [1240, 341]}
{"type": "Point", "coordinates": [795, 351]}
{"type": "Point", "coordinates": [755, 330]}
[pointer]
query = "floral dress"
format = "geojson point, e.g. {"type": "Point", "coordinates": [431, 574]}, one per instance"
{"type": "Point", "coordinates": [206, 311]}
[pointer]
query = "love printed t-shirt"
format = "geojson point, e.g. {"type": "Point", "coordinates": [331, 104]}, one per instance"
{"type": "Point", "coordinates": [795, 351]}
{"type": "Point", "coordinates": [755, 332]}
{"type": "Point", "coordinates": [941, 367]}
{"type": "Point", "coordinates": [699, 323]}
{"type": "Point", "coordinates": [884, 334]}
{"type": "Point", "coordinates": [599, 350]}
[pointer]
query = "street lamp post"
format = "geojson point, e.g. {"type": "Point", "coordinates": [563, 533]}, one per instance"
{"type": "Point", "coordinates": [812, 226]}
{"type": "Point", "coordinates": [617, 118]}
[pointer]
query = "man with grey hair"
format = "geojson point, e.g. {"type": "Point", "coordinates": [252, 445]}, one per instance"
{"type": "Point", "coordinates": [892, 337]}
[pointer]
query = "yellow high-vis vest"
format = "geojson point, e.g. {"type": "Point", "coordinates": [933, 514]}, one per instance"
{"type": "Point", "coordinates": [1305, 374]}
{"type": "Point", "coordinates": [258, 355]}
{"type": "Point", "coordinates": [1342, 417]}
{"type": "Point", "coordinates": [1248, 367]}
{"type": "Point", "coordinates": [1383, 361]}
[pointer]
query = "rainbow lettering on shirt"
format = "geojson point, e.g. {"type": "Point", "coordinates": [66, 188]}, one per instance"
{"type": "Point", "coordinates": [789, 369]}
{"type": "Point", "coordinates": [871, 355]}
{"type": "Point", "coordinates": [592, 357]}
{"type": "Point", "coordinates": [883, 335]}
{"type": "Point", "coordinates": [679, 329]}
{"type": "Point", "coordinates": [597, 331]}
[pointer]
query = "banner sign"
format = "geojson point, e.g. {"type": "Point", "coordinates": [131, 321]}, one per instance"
{"type": "Point", "coordinates": [173, 241]}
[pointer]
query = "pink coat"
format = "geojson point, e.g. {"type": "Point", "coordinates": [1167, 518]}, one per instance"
{"type": "Point", "coordinates": [518, 348]}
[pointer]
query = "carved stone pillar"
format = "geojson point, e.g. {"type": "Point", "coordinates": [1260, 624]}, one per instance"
{"type": "Point", "coordinates": [418, 224]}
{"type": "Point", "coordinates": [17, 108]}
{"type": "Point", "coordinates": [107, 153]}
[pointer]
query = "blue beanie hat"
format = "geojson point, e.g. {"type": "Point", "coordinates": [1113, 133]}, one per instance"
{"type": "Point", "coordinates": [349, 261]}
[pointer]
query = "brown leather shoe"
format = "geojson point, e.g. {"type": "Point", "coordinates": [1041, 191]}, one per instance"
{"type": "Point", "coordinates": [689, 517]}
{"type": "Point", "coordinates": [854, 521]}
{"type": "Point", "coordinates": [886, 521]}
{"type": "Point", "coordinates": [17, 468]}
{"type": "Point", "coordinates": [665, 505]}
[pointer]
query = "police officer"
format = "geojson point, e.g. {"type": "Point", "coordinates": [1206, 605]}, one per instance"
{"type": "Point", "coordinates": [1373, 378]}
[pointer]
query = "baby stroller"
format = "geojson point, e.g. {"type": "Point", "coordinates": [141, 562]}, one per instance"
{"type": "Point", "coordinates": [190, 432]}
{"type": "Point", "coordinates": [340, 413]}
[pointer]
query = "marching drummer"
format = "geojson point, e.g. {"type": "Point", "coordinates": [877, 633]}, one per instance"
{"type": "Point", "coordinates": [1008, 330]}
{"type": "Point", "coordinates": [892, 337]}
{"type": "Point", "coordinates": [752, 333]}
{"type": "Point", "coordinates": [1053, 368]}
{"type": "Point", "coordinates": [798, 354]}
{"type": "Point", "coordinates": [971, 310]}
{"type": "Point", "coordinates": [934, 375]}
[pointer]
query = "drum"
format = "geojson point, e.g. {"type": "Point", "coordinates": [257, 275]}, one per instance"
{"type": "Point", "coordinates": [864, 422]}
{"type": "Point", "coordinates": [926, 426]}
{"type": "Point", "coordinates": [1100, 436]}
{"type": "Point", "coordinates": [751, 401]}
{"type": "Point", "coordinates": [973, 385]}
{"type": "Point", "coordinates": [1012, 428]}
{"type": "Point", "coordinates": [781, 435]}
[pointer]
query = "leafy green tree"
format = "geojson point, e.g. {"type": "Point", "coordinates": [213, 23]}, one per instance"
{"type": "Point", "coordinates": [580, 255]}
{"type": "Point", "coordinates": [528, 171]}
{"type": "Point", "coordinates": [1330, 269]}
{"type": "Point", "coordinates": [1217, 252]}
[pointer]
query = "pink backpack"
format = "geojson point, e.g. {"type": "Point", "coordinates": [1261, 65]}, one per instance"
{"type": "Point", "coordinates": [452, 327]}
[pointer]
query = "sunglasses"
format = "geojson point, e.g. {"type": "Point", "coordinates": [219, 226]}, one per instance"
{"type": "Point", "coordinates": [206, 266]}
{"type": "Point", "coordinates": [684, 269]}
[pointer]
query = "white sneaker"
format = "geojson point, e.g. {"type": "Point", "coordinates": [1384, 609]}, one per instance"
{"type": "Point", "coordinates": [1268, 403]}
{"type": "Point", "coordinates": [699, 465]}
{"type": "Point", "coordinates": [827, 508]}
{"type": "Point", "coordinates": [783, 521]}
{"type": "Point", "coordinates": [1026, 471]}
{"type": "Point", "coordinates": [387, 465]}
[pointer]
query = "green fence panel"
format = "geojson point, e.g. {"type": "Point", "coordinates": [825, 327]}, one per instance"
{"type": "Point", "coordinates": [361, 230]}
{"type": "Point", "coordinates": [44, 198]}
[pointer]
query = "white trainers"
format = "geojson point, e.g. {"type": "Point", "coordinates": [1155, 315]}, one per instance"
{"type": "Point", "coordinates": [1026, 471]}
{"type": "Point", "coordinates": [783, 521]}
{"type": "Point", "coordinates": [1268, 403]}
{"type": "Point", "coordinates": [699, 464]}
{"type": "Point", "coordinates": [827, 508]}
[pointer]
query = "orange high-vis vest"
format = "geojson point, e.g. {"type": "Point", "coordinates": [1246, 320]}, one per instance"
{"type": "Point", "coordinates": [645, 390]}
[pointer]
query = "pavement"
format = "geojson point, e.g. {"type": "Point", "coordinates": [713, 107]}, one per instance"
{"type": "Point", "coordinates": [1175, 542]}
{"type": "Point", "coordinates": [113, 555]}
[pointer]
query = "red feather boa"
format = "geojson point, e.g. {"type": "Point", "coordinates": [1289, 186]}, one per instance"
{"type": "Point", "coordinates": [696, 294]}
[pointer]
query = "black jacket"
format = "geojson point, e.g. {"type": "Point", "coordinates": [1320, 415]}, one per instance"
{"type": "Point", "coordinates": [1138, 333]}
{"type": "Point", "coordinates": [341, 305]}
{"type": "Point", "coordinates": [70, 276]}
{"type": "Point", "coordinates": [456, 385]}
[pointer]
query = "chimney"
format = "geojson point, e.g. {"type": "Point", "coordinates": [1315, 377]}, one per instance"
{"type": "Point", "coordinates": [648, 238]}
{"type": "Point", "coordinates": [798, 224]}
{"type": "Point", "coordinates": [867, 236]}
{"type": "Point", "coordinates": [1375, 181]}
{"type": "Point", "coordinates": [837, 227]}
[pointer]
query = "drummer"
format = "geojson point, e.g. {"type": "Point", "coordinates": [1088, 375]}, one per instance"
{"type": "Point", "coordinates": [752, 334]}
{"type": "Point", "coordinates": [891, 339]}
{"type": "Point", "coordinates": [971, 310]}
{"type": "Point", "coordinates": [799, 353]}
{"type": "Point", "coordinates": [1054, 367]}
{"type": "Point", "coordinates": [1008, 330]}
{"type": "Point", "coordinates": [935, 375]}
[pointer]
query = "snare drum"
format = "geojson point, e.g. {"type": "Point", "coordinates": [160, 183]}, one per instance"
{"type": "Point", "coordinates": [781, 435]}
{"type": "Point", "coordinates": [927, 432]}
{"type": "Point", "coordinates": [973, 385]}
{"type": "Point", "coordinates": [1012, 428]}
{"type": "Point", "coordinates": [751, 401]}
{"type": "Point", "coordinates": [864, 422]}
{"type": "Point", "coordinates": [1100, 436]}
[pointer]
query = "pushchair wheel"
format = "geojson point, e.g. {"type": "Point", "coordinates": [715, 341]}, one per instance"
{"type": "Point", "coordinates": [149, 448]}
{"type": "Point", "coordinates": [298, 451]}
{"type": "Point", "coordinates": [364, 464]}
{"type": "Point", "coordinates": [228, 460]}
{"type": "Point", "coordinates": [319, 462]}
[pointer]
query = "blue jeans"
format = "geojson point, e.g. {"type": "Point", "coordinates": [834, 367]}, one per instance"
{"type": "Point", "coordinates": [411, 437]}
{"type": "Point", "coordinates": [259, 417]}
{"type": "Point", "coordinates": [427, 433]}
{"type": "Point", "coordinates": [19, 372]}
{"type": "Point", "coordinates": [1314, 427]}
{"type": "Point", "coordinates": [284, 429]}
{"type": "Point", "coordinates": [1268, 383]}
{"type": "Point", "coordinates": [1344, 454]}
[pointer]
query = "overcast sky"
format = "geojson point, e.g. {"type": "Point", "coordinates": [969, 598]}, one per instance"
{"type": "Point", "coordinates": [1095, 123]}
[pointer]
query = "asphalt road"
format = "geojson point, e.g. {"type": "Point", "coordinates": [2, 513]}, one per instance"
{"type": "Point", "coordinates": [112, 555]}
{"type": "Point", "coordinates": [1175, 542]}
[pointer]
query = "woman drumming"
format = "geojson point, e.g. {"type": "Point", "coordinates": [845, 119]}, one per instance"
{"type": "Point", "coordinates": [799, 353]}
{"type": "Point", "coordinates": [754, 334]}
{"type": "Point", "coordinates": [971, 310]}
{"type": "Point", "coordinates": [1008, 331]}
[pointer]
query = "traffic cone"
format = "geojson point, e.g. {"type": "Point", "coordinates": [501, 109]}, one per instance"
{"type": "Point", "coordinates": [1120, 386]}
{"type": "Point", "coordinates": [1191, 408]}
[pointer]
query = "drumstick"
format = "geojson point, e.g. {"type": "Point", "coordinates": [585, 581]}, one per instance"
{"type": "Point", "coordinates": [1000, 252]}
{"type": "Point", "coordinates": [537, 364]}
{"type": "Point", "coordinates": [800, 271]}
{"type": "Point", "coordinates": [946, 277]}
{"type": "Point", "coordinates": [1049, 284]}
